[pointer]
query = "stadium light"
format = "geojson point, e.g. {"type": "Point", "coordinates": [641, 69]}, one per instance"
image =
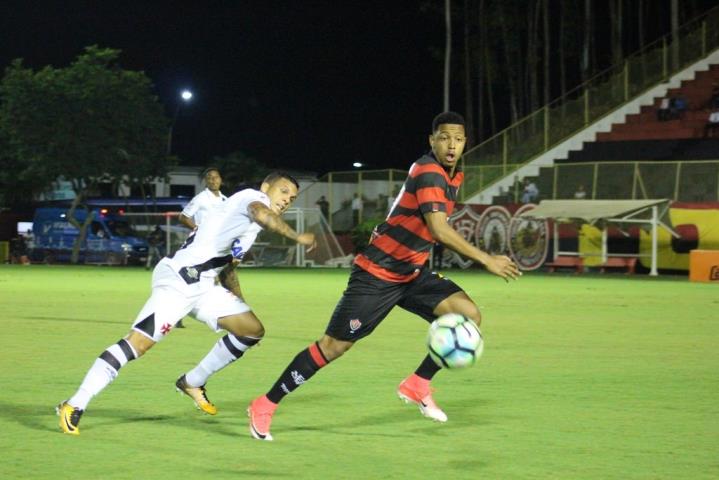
{"type": "Point", "coordinates": [358, 165]}
{"type": "Point", "coordinates": [186, 95]}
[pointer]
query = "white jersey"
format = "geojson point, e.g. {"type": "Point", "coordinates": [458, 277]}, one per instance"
{"type": "Point", "coordinates": [203, 204]}
{"type": "Point", "coordinates": [224, 236]}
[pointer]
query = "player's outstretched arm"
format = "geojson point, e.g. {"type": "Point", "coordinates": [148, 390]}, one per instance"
{"type": "Point", "coordinates": [271, 221]}
{"type": "Point", "coordinates": [443, 233]}
{"type": "Point", "coordinates": [186, 221]}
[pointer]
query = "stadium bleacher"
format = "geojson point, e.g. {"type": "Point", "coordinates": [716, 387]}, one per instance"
{"type": "Point", "coordinates": [646, 125]}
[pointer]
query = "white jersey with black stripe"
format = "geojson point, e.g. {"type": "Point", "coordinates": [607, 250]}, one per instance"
{"type": "Point", "coordinates": [203, 205]}
{"type": "Point", "coordinates": [224, 235]}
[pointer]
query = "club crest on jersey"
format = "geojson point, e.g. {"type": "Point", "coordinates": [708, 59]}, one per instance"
{"type": "Point", "coordinates": [237, 250]}
{"type": "Point", "coordinates": [355, 324]}
{"type": "Point", "coordinates": [192, 272]}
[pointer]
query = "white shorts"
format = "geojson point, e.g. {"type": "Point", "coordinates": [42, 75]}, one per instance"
{"type": "Point", "coordinates": [172, 299]}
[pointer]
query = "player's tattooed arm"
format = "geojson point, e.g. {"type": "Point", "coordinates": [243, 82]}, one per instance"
{"type": "Point", "coordinates": [272, 221]}
{"type": "Point", "coordinates": [228, 279]}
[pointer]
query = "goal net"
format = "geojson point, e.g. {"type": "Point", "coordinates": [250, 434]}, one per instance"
{"type": "Point", "coordinates": [274, 249]}
{"type": "Point", "coordinates": [270, 249]}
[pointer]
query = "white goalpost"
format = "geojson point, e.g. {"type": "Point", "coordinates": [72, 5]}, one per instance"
{"type": "Point", "coordinates": [270, 249]}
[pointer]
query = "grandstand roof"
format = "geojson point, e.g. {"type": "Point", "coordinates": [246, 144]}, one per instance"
{"type": "Point", "coordinates": [590, 211]}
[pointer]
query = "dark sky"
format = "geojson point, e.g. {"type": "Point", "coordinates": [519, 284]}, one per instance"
{"type": "Point", "coordinates": [306, 85]}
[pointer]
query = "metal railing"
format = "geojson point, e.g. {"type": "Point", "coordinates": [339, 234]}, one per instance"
{"type": "Point", "coordinates": [375, 189]}
{"type": "Point", "coordinates": [685, 180]}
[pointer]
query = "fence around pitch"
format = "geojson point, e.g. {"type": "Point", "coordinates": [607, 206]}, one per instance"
{"type": "Point", "coordinates": [374, 187]}
{"type": "Point", "coordinates": [679, 180]}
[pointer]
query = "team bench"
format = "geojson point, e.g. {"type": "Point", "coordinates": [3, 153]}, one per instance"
{"type": "Point", "coordinates": [563, 261]}
{"type": "Point", "coordinates": [630, 263]}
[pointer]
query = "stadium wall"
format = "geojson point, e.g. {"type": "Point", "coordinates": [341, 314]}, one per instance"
{"type": "Point", "coordinates": [496, 230]}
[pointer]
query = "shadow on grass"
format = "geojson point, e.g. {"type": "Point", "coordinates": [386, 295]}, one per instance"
{"type": "Point", "coordinates": [73, 319]}
{"type": "Point", "coordinates": [231, 420]}
{"type": "Point", "coordinates": [43, 418]}
{"type": "Point", "coordinates": [243, 472]}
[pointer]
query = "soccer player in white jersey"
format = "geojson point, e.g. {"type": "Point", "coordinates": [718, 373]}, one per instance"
{"type": "Point", "coordinates": [186, 284]}
{"type": "Point", "coordinates": [203, 204]}
{"type": "Point", "coordinates": [207, 201]}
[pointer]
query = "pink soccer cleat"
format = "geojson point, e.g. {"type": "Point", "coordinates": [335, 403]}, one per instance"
{"type": "Point", "coordinates": [260, 412]}
{"type": "Point", "coordinates": [415, 389]}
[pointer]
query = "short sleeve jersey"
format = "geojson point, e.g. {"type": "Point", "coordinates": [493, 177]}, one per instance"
{"type": "Point", "coordinates": [203, 204]}
{"type": "Point", "coordinates": [400, 246]}
{"type": "Point", "coordinates": [222, 237]}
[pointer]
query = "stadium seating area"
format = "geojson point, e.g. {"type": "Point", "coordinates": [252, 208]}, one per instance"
{"type": "Point", "coordinates": [690, 123]}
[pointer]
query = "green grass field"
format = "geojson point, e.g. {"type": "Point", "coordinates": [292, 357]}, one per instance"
{"type": "Point", "coordinates": [582, 378]}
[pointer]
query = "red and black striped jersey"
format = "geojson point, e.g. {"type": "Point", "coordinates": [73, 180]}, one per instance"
{"type": "Point", "coordinates": [400, 246]}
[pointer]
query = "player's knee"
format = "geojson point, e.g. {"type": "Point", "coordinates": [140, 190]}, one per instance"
{"type": "Point", "coordinates": [246, 325]}
{"type": "Point", "coordinates": [140, 343]}
{"type": "Point", "coordinates": [333, 348]}
{"type": "Point", "coordinates": [472, 312]}
{"type": "Point", "coordinates": [259, 332]}
{"type": "Point", "coordinates": [475, 315]}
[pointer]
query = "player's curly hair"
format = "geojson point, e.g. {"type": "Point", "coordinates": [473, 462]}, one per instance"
{"type": "Point", "coordinates": [447, 117]}
{"type": "Point", "coordinates": [274, 175]}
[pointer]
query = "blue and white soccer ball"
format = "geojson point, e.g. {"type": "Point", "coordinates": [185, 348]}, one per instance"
{"type": "Point", "coordinates": [454, 341]}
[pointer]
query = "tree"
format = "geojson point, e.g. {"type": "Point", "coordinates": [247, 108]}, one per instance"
{"type": "Point", "coordinates": [447, 50]}
{"type": "Point", "coordinates": [616, 20]}
{"type": "Point", "coordinates": [587, 43]}
{"type": "Point", "coordinates": [91, 121]}
{"type": "Point", "coordinates": [674, 14]}
{"type": "Point", "coordinates": [468, 61]}
{"type": "Point", "coordinates": [239, 170]}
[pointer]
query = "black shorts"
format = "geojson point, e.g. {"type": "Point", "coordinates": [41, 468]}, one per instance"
{"type": "Point", "coordinates": [368, 300]}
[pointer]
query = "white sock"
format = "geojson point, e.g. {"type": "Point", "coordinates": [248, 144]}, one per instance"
{"type": "Point", "coordinates": [227, 349]}
{"type": "Point", "coordinates": [102, 373]}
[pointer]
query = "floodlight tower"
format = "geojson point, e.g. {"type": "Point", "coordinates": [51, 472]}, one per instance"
{"type": "Point", "coordinates": [186, 97]}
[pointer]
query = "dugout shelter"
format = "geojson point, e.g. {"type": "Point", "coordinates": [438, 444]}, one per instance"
{"type": "Point", "coordinates": [647, 214]}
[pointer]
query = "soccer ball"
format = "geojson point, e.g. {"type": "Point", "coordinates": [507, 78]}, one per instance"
{"type": "Point", "coordinates": [454, 341]}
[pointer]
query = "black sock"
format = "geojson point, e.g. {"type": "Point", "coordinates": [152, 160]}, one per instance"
{"type": "Point", "coordinates": [300, 369]}
{"type": "Point", "coordinates": [427, 368]}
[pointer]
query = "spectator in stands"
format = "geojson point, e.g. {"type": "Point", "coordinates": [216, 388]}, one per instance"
{"type": "Point", "coordinates": [678, 106]}
{"type": "Point", "coordinates": [580, 194]}
{"type": "Point", "coordinates": [530, 193]}
{"type": "Point", "coordinates": [356, 209]}
{"type": "Point", "coordinates": [324, 206]}
{"type": "Point", "coordinates": [714, 101]}
{"type": "Point", "coordinates": [712, 124]}
{"type": "Point", "coordinates": [663, 113]}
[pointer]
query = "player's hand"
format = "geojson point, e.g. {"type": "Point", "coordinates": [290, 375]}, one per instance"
{"type": "Point", "coordinates": [307, 239]}
{"type": "Point", "coordinates": [503, 266]}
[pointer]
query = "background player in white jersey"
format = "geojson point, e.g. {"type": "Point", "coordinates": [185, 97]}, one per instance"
{"type": "Point", "coordinates": [202, 205]}
{"type": "Point", "coordinates": [207, 201]}
{"type": "Point", "coordinates": [186, 284]}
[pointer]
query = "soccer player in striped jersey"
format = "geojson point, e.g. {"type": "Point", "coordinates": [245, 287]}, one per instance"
{"type": "Point", "coordinates": [186, 284]}
{"type": "Point", "coordinates": [393, 271]}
